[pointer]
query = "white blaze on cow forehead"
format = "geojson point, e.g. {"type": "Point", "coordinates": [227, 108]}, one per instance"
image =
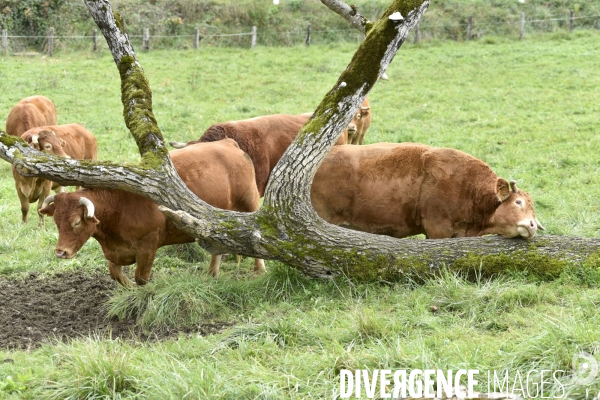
{"type": "Point", "coordinates": [34, 139]}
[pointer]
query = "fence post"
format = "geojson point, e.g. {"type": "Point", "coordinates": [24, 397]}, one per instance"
{"type": "Point", "coordinates": [253, 36]}
{"type": "Point", "coordinates": [196, 37]}
{"type": "Point", "coordinates": [50, 41]}
{"type": "Point", "coordinates": [308, 35]}
{"type": "Point", "coordinates": [95, 40]}
{"type": "Point", "coordinates": [146, 39]}
{"type": "Point", "coordinates": [417, 32]}
{"type": "Point", "coordinates": [5, 40]}
{"type": "Point", "coordinates": [469, 25]}
{"type": "Point", "coordinates": [522, 26]}
{"type": "Point", "coordinates": [571, 20]}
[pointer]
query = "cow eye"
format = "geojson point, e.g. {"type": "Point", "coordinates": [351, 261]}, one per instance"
{"type": "Point", "coordinates": [519, 202]}
{"type": "Point", "coordinates": [48, 146]}
{"type": "Point", "coordinates": [76, 223]}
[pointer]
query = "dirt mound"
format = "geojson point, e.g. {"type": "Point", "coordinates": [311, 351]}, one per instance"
{"type": "Point", "coordinates": [36, 310]}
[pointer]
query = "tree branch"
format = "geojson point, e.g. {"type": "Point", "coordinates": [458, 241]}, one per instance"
{"type": "Point", "coordinates": [349, 13]}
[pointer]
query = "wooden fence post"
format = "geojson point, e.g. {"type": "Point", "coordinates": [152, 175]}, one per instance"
{"type": "Point", "coordinates": [146, 39]}
{"type": "Point", "coordinates": [50, 41]}
{"type": "Point", "coordinates": [196, 37]}
{"type": "Point", "coordinates": [417, 32]}
{"type": "Point", "coordinates": [571, 20]}
{"type": "Point", "coordinates": [522, 26]}
{"type": "Point", "coordinates": [469, 25]}
{"type": "Point", "coordinates": [5, 40]}
{"type": "Point", "coordinates": [253, 36]}
{"type": "Point", "coordinates": [308, 35]}
{"type": "Point", "coordinates": [95, 40]}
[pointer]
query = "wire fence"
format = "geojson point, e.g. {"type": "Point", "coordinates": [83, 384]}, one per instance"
{"type": "Point", "coordinates": [468, 30]}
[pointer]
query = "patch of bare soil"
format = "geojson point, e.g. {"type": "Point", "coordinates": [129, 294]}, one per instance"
{"type": "Point", "coordinates": [68, 305]}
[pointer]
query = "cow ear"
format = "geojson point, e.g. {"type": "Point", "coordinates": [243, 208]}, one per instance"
{"type": "Point", "coordinates": [502, 189]}
{"type": "Point", "coordinates": [62, 142]}
{"type": "Point", "coordinates": [48, 210]}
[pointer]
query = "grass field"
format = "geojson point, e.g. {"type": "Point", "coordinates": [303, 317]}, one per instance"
{"type": "Point", "coordinates": [529, 109]}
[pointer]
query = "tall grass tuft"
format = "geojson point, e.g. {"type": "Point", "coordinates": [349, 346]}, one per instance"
{"type": "Point", "coordinates": [93, 369]}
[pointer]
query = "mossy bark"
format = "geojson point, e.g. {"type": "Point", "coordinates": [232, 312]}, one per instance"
{"type": "Point", "coordinates": [286, 228]}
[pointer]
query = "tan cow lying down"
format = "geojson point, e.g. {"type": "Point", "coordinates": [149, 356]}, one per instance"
{"type": "Point", "coordinates": [130, 228]}
{"type": "Point", "coordinates": [360, 123]}
{"type": "Point", "coordinates": [28, 113]}
{"type": "Point", "coordinates": [264, 139]}
{"type": "Point", "coordinates": [71, 140]}
{"type": "Point", "coordinates": [407, 189]}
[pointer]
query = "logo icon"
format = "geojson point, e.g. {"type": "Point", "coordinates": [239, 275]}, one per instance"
{"type": "Point", "coordinates": [585, 368]}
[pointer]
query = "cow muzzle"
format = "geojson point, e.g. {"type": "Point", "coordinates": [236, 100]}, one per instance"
{"type": "Point", "coordinates": [64, 254]}
{"type": "Point", "coordinates": [527, 228]}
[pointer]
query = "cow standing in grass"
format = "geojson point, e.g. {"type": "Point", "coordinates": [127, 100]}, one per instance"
{"type": "Point", "coordinates": [360, 123]}
{"type": "Point", "coordinates": [130, 228]}
{"type": "Point", "coordinates": [30, 112]}
{"type": "Point", "coordinates": [408, 189]}
{"type": "Point", "coordinates": [70, 141]}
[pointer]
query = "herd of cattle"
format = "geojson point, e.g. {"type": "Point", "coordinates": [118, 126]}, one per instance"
{"type": "Point", "coordinates": [395, 189]}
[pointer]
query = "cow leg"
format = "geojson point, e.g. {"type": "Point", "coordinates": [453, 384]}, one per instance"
{"type": "Point", "coordinates": [361, 139]}
{"type": "Point", "coordinates": [46, 188]}
{"type": "Point", "coordinates": [259, 266]}
{"type": "Point", "coordinates": [215, 261]}
{"type": "Point", "coordinates": [144, 265]}
{"type": "Point", "coordinates": [24, 205]}
{"type": "Point", "coordinates": [116, 272]}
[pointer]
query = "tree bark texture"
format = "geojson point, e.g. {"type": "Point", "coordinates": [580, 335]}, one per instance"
{"type": "Point", "coordinates": [286, 228]}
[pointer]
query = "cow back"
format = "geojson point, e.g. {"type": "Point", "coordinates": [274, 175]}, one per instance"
{"type": "Point", "coordinates": [219, 173]}
{"type": "Point", "coordinates": [264, 139]}
{"type": "Point", "coordinates": [30, 112]}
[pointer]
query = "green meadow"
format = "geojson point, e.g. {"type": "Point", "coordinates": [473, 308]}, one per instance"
{"type": "Point", "coordinates": [527, 108]}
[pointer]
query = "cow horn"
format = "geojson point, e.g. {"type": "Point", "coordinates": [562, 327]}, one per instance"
{"type": "Point", "coordinates": [34, 139]}
{"type": "Point", "coordinates": [48, 200]}
{"type": "Point", "coordinates": [53, 133]}
{"type": "Point", "coordinates": [540, 226]}
{"type": "Point", "coordinates": [513, 186]}
{"type": "Point", "coordinates": [87, 203]}
{"type": "Point", "coordinates": [177, 145]}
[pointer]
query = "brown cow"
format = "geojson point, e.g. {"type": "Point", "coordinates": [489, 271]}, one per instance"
{"type": "Point", "coordinates": [28, 113]}
{"type": "Point", "coordinates": [360, 123]}
{"type": "Point", "coordinates": [264, 139]}
{"type": "Point", "coordinates": [71, 140]}
{"type": "Point", "coordinates": [130, 228]}
{"type": "Point", "coordinates": [407, 189]}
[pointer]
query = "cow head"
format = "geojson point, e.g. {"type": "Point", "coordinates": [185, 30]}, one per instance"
{"type": "Point", "coordinates": [514, 216]}
{"type": "Point", "coordinates": [75, 220]}
{"type": "Point", "coordinates": [363, 112]}
{"type": "Point", "coordinates": [46, 141]}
